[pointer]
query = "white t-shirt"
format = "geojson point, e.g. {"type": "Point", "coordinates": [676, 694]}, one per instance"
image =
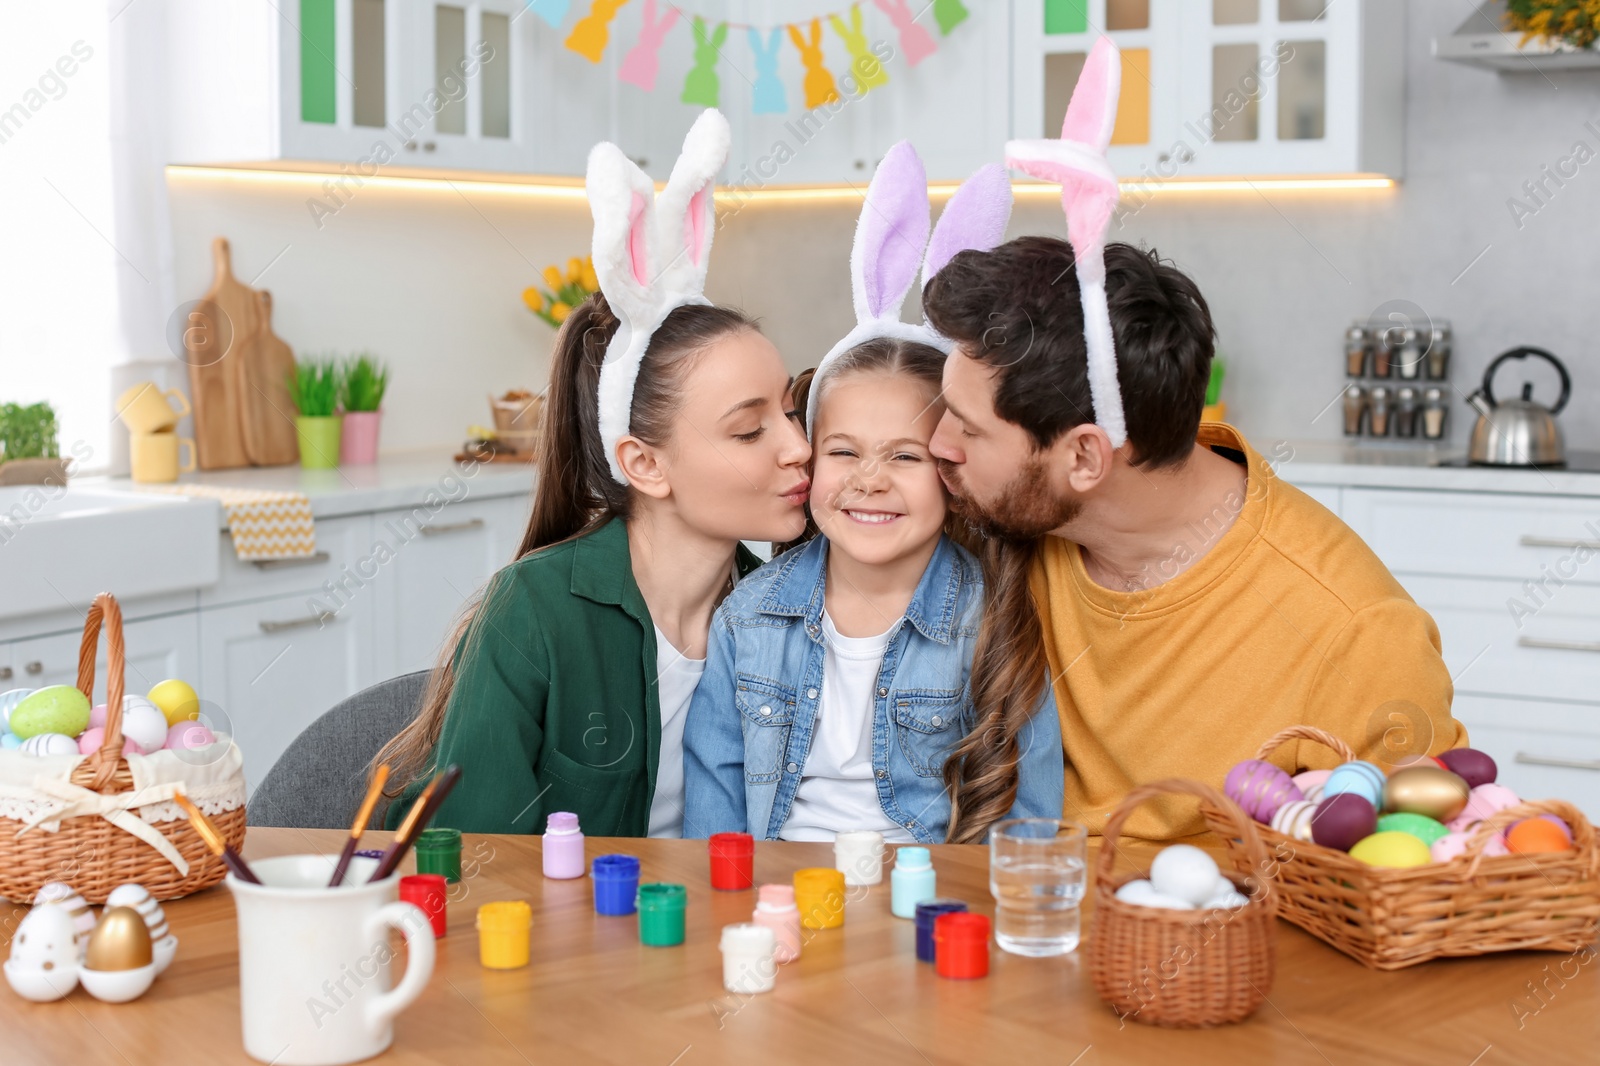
{"type": "Point", "coordinates": [676, 678]}
{"type": "Point", "coordinates": [837, 791]}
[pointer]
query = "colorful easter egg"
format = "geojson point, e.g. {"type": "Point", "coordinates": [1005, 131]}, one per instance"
{"type": "Point", "coordinates": [1420, 826]}
{"type": "Point", "coordinates": [1535, 836]}
{"type": "Point", "coordinates": [69, 899]}
{"type": "Point", "coordinates": [1293, 819]}
{"type": "Point", "coordinates": [1359, 777]}
{"type": "Point", "coordinates": [1427, 790]}
{"type": "Point", "coordinates": [44, 955]}
{"type": "Point", "coordinates": [1260, 788]}
{"type": "Point", "coordinates": [1474, 766]}
{"type": "Point", "coordinates": [1342, 819]}
{"type": "Point", "coordinates": [9, 701]}
{"type": "Point", "coordinates": [1392, 849]}
{"type": "Point", "coordinates": [1311, 782]}
{"type": "Point", "coordinates": [50, 744]}
{"type": "Point", "coordinates": [187, 735]}
{"type": "Point", "coordinates": [163, 943]}
{"type": "Point", "coordinates": [10, 741]}
{"type": "Point", "coordinates": [1482, 802]}
{"type": "Point", "coordinates": [52, 709]}
{"type": "Point", "coordinates": [1452, 845]}
{"type": "Point", "coordinates": [90, 740]}
{"type": "Point", "coordinates": [177, 700]}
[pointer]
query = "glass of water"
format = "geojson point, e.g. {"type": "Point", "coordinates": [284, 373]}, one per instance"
{"type": "Point", "coordinates": [1037, 874]}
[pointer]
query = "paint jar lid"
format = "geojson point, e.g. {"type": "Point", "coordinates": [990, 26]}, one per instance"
{"type": "Point", "coordinates": [748, 937]}
{"type": "Point", "coordinates": [961, 927]}
{"type": "Point", "coordinates": [439, 840]}
{"type": "Point", "coordinates": [776, 897]}
{"type": "Point", "coordinates": [615, 868]}
{"type": "Point", "coordinates": [505, 916]}
{"type": "Point", "coordinates": [819, 879]}
{"type": "Point", "coordinates": [561, 822]}
{"type": "Point", "coordinates": [656, 896]}
{"type": "Point", "coordinates": [866, 839]}
{"type": "Point", "coordinates": [931, 909]}
{"type": "Point", "coordinates": [912, 859]}
{"type": "Point", "coordinates": [732, 844]}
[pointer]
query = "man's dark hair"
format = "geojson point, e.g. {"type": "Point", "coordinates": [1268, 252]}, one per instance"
{"type": "Point", "coordinates": [1017, 309]}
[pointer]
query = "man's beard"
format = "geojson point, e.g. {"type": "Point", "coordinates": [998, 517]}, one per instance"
{"type": "Point", "coordinates": [1022, 510]}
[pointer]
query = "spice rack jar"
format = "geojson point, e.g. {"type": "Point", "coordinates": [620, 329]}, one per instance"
{"type": "Point", "coordinates": [1398, 380]}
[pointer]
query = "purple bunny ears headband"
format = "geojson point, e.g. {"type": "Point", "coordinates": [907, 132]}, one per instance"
{"type": "Point", "coordinates": [1077, 162]}
{"type": "Point", "coordinates": [892, 242]}
{"type": "Point", "coordinates": [650, 255]}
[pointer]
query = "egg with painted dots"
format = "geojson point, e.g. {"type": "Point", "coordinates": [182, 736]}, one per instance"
{"type": "Point", "coordinates": [44, 955]}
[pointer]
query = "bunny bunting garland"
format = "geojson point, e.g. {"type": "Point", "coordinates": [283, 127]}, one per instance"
{"type": "Point", "coordinates": [1089, 193]}
{"type": "Point", "coordinates": [650, 255]}
{"type": "Point", "coordinates": [892, 242]}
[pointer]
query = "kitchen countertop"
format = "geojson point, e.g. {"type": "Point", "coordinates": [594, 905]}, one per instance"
{"type": "Point", "coordinates": [1395, 467]}
{"type": "Point", "coordinates": [403, 479]}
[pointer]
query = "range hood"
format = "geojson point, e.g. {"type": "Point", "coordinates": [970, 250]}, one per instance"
{"type": "Point", "coordinates": [1482, 41]}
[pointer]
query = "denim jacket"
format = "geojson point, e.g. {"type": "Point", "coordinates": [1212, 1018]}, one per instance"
{"type": "Point", "coordinates": [753, 716]}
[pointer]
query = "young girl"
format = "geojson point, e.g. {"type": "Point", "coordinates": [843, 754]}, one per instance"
{"type": "Point", "coordinates": [836, 690]}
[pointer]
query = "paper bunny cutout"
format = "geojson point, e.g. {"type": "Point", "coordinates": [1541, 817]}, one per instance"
{"type": "Point", "coordinates": [818, 83]}
{"type": "Point", "coordinates": [770, 97]}
{"type": "Point", "coordinates": [1089, 193]}
{"type": "Point", "coordinates": [892, 242]}
{"type": "Point", "coordinates": [702, 86]}
{"type": "Point", "coordinates": [643, 60]}
{"type": "Point", "coordinates": [650, 254]}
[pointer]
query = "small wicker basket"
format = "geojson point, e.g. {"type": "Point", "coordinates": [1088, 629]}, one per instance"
{"type": "Point", "coordinates": [1472, 905]}
{"type": "Point", "coordinates": [1183, 969]}
{"type": "Point", "coordinates": [89, 851]}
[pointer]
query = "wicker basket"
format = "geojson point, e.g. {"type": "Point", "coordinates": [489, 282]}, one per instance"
{"type": "Point", "coordinates": [92, 852]}
{"type": "Point", "coordinates": [1183, 969]}
{"type": "Point", "coordinates": [1474, 904]}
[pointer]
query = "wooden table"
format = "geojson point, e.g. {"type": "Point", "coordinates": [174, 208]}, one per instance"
{"type": "Point", "coordinates": [593, 994]}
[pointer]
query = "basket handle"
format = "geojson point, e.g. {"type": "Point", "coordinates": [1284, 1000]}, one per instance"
{"type": "Point", "coordinates": [1583, 838]}
{"type": "Point", "coordinates": [102, 764]}
{"type": "Point", "coordinates": [1305, 732]}
{"type": "Point", "coordinates": [1210, 799]}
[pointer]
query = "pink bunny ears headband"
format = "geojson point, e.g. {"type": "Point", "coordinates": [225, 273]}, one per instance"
{"type": "Point", "coordinates": [892, 241]}
{"type": "Point", "coordinates": [650, 255]}
{"type": "Point", "coordinates": [1077, 162]}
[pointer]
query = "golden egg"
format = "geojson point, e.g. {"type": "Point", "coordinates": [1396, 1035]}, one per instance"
{"type": "Point", "coordinates": [120, 942]}
{"type": "Point", "coordinates": [1428, 790]}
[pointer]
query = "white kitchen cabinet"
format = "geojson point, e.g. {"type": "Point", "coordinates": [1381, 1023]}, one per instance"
{"type": "Point", "coordinates": [344, 546]}
{"type": "Point", "coordinates": [157, 648]}
{"type": "Point", "coordinates": [1544, 750]}
{"type": "Point", "coordinates": [1330, 496]}
{"type": "Point", "coordinates": [1225, 87]}
{"type": "Point", "coordinates": [274, 666]}
{"type": "Point", "coordinates": [472, 57]}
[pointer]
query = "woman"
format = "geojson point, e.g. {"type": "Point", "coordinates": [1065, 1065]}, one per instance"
{"type": "Point", "coordinates": [566, 686]}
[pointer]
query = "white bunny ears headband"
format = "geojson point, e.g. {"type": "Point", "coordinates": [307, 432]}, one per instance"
{"type": "Point", "coordinates": [1077, 162]}
{"type": "Point", "coordinates": [650, 255]}
{"type": "Point", "coordinates": [892, 241]}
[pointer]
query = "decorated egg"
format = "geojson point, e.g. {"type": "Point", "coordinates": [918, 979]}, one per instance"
{"type": "Point", "coordinates": [44, 955]}
{"type": "Point", "coordinates": [176, 699]}
{"type": "Point", "coordinates": [52, 709]}
{"type": "Point", "coordinates": [1143, 894]}
{"type": "Point", "coordinates": [1184, 872]}
{"type": "Point", "coordinates": [1391, 849]}
{"type": "Point", "coordinates": [187, 735]}
{"type": "Point", "coordinates": [1311, 782]}
{"type": "Point", "coordinates": [9, 701]}
{"type": "Point", "coordinates": [1452, 845]}
{"type": "Point", "coordinates": [1260, 788]}
{"type": "Point", "coordinates": [50, 744]}
{"type": "Point", "coordinates": [1342, 819]}
{"type": "Point", "coordinates": [1475, 767]}
{"type": "Point", "coordinates": [1358, 777]}
{"type": "Point", "coordinates": [1482, 802]}
{"type": "Point", "coordinates": [60, 894]}
{"type": "Point", "coordinates": [1439, 794]}
{"type": "Point", "coordinates": [162, 943]}
{"type": "Point", "coordinates": [144, 724]}
{"type": "Point", "coordinates": [10, 741]}
{"type": "Point", "coordinates": [1293, 819]}
{"type": "Point", "coordinates": [97, 715]}
{"type": "Point", "coordinates": [1535, 836]}
{"type": "Point", "coordinates": [91, 739]}
{"type": "Point", "coordinates": [1566, 829]}
{"type": "Point", "coordinates": [1420, 826]}
{"type": "Point", "coordinates": [120, 963]}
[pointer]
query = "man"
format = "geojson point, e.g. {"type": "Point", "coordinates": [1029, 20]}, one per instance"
{"type": "Point", "coordinates": [1189, 603]}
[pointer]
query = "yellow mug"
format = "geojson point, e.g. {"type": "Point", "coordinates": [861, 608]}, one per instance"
{"type": "Point", "coordinates": [144, 408]}
{"type": "Point", "coordinates": [154, 456]}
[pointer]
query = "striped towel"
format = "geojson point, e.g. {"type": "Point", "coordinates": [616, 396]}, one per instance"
{"type": "Point", "coordinates": [263, 524]}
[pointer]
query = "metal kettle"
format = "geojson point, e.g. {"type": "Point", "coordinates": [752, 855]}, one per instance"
{"type": "Point", "coordinates": [1518, 432]}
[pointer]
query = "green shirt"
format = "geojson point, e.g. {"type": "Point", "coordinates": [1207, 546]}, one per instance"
{"type": "Point", "coordinates": [554, 706]}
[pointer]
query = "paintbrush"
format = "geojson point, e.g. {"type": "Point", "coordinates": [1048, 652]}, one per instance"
{"type": "Point", "coordinates": [357, 827]}
{"type": "Point", "coordinates": [416, 820]}
{"type": "Point", "coordinates": [214, 840]}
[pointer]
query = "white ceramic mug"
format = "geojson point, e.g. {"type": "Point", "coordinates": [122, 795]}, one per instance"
{"type": "Point", "coordinates": [314, 961]}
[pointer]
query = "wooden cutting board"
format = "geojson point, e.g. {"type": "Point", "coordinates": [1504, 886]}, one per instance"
{"type": "Point", "coordinates": [265, 363]}
{"type": "Point", "coordinates": [218, 328]}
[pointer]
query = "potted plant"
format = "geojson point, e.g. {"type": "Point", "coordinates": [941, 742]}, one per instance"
{"type": "Point", "coordinates": [563, 292]}
{"type": "Point", "coordinates": [361, 395]}
{"type": "Point", "coordinates": [314, 389]}
{"type": "Point", "coordinates": [29, 452]}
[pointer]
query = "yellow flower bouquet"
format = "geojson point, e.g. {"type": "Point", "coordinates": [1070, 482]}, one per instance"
{"type": "Point", "coordinates": [562, 291]}
{"type": "Point", "coordinates": [1577, 22]}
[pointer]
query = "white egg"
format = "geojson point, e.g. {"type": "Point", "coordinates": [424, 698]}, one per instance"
{"type": "Point", "coordinates": [63, 895]}
{"type": "Point", "coordinates": [144, 724]}
{"type": "Point", "coordinates": [163, 944]}
{"type": "Point", "coordinates": [1143, 894]}
{"type": "Point", "coordinates": [50, 744]}
{"type": "Point", "coordinates": [1184, 872]}
{"type": "Point", "coordinates": [44, 955]}
{"type": "Point", "coordinates": [1229, 900]}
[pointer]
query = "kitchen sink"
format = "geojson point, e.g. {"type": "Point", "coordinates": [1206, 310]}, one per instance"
{"type": "Point", "coordinates": [60, 546]}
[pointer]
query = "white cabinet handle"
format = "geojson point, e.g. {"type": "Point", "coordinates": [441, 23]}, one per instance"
{"type": "Point", "coordinates": [320, 618]}
{"type": "Point", "coordinates": [1559, 645]}
{"type": "Point", "coordinates": [282, 564]}
{"type": "Point", "coordinates": [453, 527]}
{"type": "Point", "coordinates": [1570, 764]}
{"type": "Point", "coordinates": [1530, 541]}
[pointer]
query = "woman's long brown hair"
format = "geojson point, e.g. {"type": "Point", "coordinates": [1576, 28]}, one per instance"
{"type": "Point", "coordinates": [576, 492]}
